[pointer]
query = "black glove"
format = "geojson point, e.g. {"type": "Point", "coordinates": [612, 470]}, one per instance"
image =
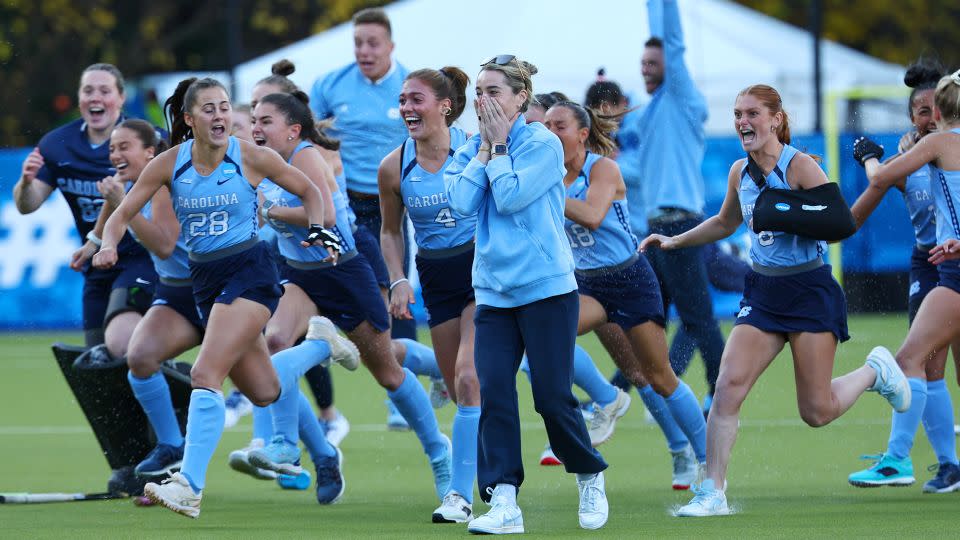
{"type": "Point", "coordinates": [864, 149]}
{"type": "Point", "coordinates": [326, 238]}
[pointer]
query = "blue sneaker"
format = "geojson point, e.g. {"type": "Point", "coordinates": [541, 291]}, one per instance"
{"type": "Point", "coordinates": [891, 383]}
{"type": "Point", "coordinates": [280, 456]}
{"type": "Point", "coordinates": [161, 461]}
{"type": "Point", "coordinates": [395, 420]}
{"type": "Point", "coordinates": [442, 469]}
{"type": "Point", "coordinates": [887, 471]}
{"type": "Point", "coordinates": [947, 479]}
{"type": "Point", "coordinates": [235, 407]}
{"type": "Point", "coordinates": [330, 482]}
{"type": "Point", "coordinates": [299, 482]}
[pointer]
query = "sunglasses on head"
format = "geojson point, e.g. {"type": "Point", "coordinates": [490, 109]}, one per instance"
{"type": "Point", "coordinates": [500, 60]}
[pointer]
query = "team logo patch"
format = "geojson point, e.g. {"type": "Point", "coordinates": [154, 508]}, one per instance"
{"type": "Point", "coordinates": [914, 288]}
{"type": "Point", "coordinates": [229, 172]}
{"type": "Point", "coordinates": [782, 206]}
{"type": "Point", "coordinates": [744, 312]}
{"type": "Point", "coordinates": [814, 207]}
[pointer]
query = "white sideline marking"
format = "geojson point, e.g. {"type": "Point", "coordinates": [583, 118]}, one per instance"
{"type": "Point", "coordinates": [524, 426]}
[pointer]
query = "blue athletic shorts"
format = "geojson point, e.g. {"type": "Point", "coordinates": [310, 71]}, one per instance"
{"type": "Point", "coordinates": [924, 276]}
{"type": "Point", "coordinates": [447, 285]}
{"type": "Point", "coordinates": [133, 272]}
{"type": "Point", "coordinates": [250, 274]}
{"type": "Point", "coordinates": [629, 293]}
{"type": "Point", "coordinates": [369, 247]}
{"type": "Point", "coordinates": [346, 293]}
{"type": "Point", "coordinates": [810, 301]}
{"type": "Point", "coordinates": [179, 299]}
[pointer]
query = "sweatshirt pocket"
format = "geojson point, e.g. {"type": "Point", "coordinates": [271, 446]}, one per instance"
{"type": "Point", "coordinates": [534, 240]}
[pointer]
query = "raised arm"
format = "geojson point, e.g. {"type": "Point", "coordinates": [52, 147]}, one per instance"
{"type": "Point", "coordinates": [605, 182]}
{"type": "Point", "coordinates": [676, 74]}
{"type": "Point", "coordinates": [884, 175]}
{"type": "Point", "coordinates": [465, 179]}
{"type": "Point", "coordinates": [391, 234]}
{"type": "Point", "coordinates": [30, 191]}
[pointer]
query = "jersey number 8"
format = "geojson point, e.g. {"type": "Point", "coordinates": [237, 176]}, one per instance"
{"type": "Point", "coordinates": [216, 223]}
{"type": "Point", "coordinates": [580, 236]}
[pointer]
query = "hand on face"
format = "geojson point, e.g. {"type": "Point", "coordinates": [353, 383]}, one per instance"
{"type": "Point", "coordinates": [493, 121]}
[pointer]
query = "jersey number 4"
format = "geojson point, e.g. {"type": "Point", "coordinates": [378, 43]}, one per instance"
{"type": "Point", "coordinates": [445, 218]}
{"type": "Point", "coordinates": [213, 224]}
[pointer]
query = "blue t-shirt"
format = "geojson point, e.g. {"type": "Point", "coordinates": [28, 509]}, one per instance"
{"type": "Point", "coordinates": [216, 211]}
{"type": "Point", "coordinates": [769, 248]}
{"type": "Point", "coordinates": [435, 224]}
{"type": "Point", "coordinates": [367, 119]}
{"type": "Point", "coordinates": [74, 167]}
{"type": "Point", "coordinates": [613, 242]}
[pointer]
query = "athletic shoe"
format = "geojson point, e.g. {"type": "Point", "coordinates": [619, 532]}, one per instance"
{"type": "Point", "coordinates": [299, 482]}
{"type": "Point", "coordinates": [604, 418]}
{"type": "Point", "coordinates": [685, 468]}
{"type": "Point", "coordinates": [342, 350]}
{"type": "Point", "coordinates": [176, 494]}
{"type": "Point", "coordinates": [330, 482]}
{"type": "Point", "coordinates": [891, 383]}
{"type": "Point", "coordinates": [280, 456]}
{"type": "Point", "coordinates": [548, 458]}
{"type": "Point", "coordinates": [707, 501]}
{"type": "Point", "coordinates": [239, 460]}
{"type": "Point", "coordinates": [336, 428]}
{"type": "Point", "coordinates": [439, 394]}
{"type": "Point", "coordinates": [124, 482]}
{"type": "Point", "coordinates": [455, 509]}
{"type": "Point", "coordinates": [236, 406]}
{"type": "Point", "coordinates": [504, 516]}
{"type": "Point", "coordinates": [442, 469]}
{"type": "Point", "coordinates": [395, 420]}
{"type": "Point", "coordinates": [593, 509]}
{"type": "Point", "coordinates": [946, 480]}
{"type": "Point", "coordinates": [161, 461]}
{"type": "Point", "coordinates": [886, 471]}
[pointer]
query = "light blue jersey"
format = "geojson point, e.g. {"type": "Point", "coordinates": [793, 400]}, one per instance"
{"type": "Point", "coordinates": [768, 248]}
{"type": "Point", "coordinates": [918, 195]}
{"type": "Point", "coordinates": [946, 197]}
{"type": "Point", "coordinates": [342, 188]}
{"type": "Point", "coordinates": [435, 224]}
{"type": "Point", "coordinates": [289, 236]}
{"type": "Point", "coordinates": [628, 159]}
{"type": "Point", "coordinates": [367, 119]}
{"type": "Point", "coordinates": [613, 242]}
{"type": "Point", "coordinates": [215, 211]}
{"type": "Point", "coordinates": [177, 265]}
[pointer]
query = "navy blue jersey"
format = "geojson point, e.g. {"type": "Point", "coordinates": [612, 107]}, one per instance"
{"type": "Point", "coordinates": [73, 166]}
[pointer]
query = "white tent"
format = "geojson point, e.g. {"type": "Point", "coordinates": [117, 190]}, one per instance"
{"type": "Point", "coordinates": [728, 47]}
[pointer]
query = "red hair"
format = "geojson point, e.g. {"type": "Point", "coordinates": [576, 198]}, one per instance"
{"type": "Point", "coordinates": [770, 98]}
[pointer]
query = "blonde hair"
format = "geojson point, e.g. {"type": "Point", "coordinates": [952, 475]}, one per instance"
{"type": "Point", "coordinates": [947, 96]}
{"type": "Point", "coordinates": [518, 75]}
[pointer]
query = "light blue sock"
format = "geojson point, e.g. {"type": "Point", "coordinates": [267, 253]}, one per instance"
{"type": "Point", "coordinates": [312, 434]}
{"type": "Point", "coordinates": [153, 393]}
{"type": "Point", "coordinates": [938, 422]}
{"type": "Point", "coordinates": [686, 411]}
{"type": "Point", "coordinates": [420, 359]}
{"type": "Point", "coordinates": [204, 427]}
{"type": "Point", "coordinates": [657, 406]}
{"type": "Point", "coordinates": [904, 426]}
{"type": "Point", "coordinates": [291, 364]}
{"type": "Point", "coordinates": [588, 377]}
{"type": "Point", "coordinates": [525, 367]}
{"type": "Point", "coordinates": [262, 424]}
{"type": "Point", "coordinates": [414, 404]}
{"type": "Point", "coordinates": [465, 426]}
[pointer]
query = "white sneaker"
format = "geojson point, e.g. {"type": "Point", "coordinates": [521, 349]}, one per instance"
{"type": "Point", "coordinates": [176, 494]}
{"type": "Point", "coordinates": [342, 350]}
{"type": "Point", "coordinates": [604, 418]}
{"type": "Point", "coordinates": [337, 429]}
{"type": "Point", "coordinates": [891, 383]}
{"type": "Point", "coordinates": [593, 509]}
{"type": "Point", "coordinates": [455, 509]}
{"type": "Point", "coordinates": [236, 406]}
{"type": "Point", "coordinates": [708, 501]}
{"type": "Point", "coordinates": [439, 394]}
{"type": "Point", "coordinates": [239, 461]}
{"type": "Point", "coordinates": [684, 468]}
{"type": "Point", "coordinates": [504, 516]}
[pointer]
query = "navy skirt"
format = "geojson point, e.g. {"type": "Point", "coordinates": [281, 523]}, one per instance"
{"type": "Point", "coordinates": [629, 293]}
{"type": "Point", "coordinates": [446, 284]}
{"type": "Point", "coordinates": [250, 274]}
{"type": "Point", "coordinates": [924, 276]}
{"type": "Point", "coordinates": [179, 299]}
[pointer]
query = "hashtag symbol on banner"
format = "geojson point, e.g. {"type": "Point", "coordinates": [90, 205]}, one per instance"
{"type": "Point", "coordinates": [43, 240]}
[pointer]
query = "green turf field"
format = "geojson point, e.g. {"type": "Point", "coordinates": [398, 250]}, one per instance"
{"type": "Point", "coordinates": [786, 479]}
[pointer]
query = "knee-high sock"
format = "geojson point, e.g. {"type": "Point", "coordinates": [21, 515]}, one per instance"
{"type": "Point", "coordinates": [686, 411]}
{"type": "Point", "coordinates": [291, 364]}
{"type": "Point", "coordinates": [587, 376]}
{"type": "Point", "coordinates": [153, 393]}
{"type": "Point", "coordinates": [262, 424]}
{"type": "Point", "coordinates": [905, 424]}
{"type": "Point", "coordinates": [657, 406]}
{"type": "Point", "coordinates": [465, 425]}
{"type": "Point", "coordinates": [414, 404]}
{"type": "Point", "coordinates": [420, 359]}
{"type": "Point", "coordinates": [938, 422]}
{"type": "Point", "coordinates": [312, 434]}
{"type": "Point", "coordinates": [204, 428]}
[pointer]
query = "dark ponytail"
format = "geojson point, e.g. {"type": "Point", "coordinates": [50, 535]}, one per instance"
{"type": "Point", "coordinates": [924, 74]}
{"type": "Point", "coordinates": [598, 140]}
{"type": "Point", "coordinates": [149, 135]}
{"type": "Point", "coordinates": [295, 109]}
{"type": "Point", "coordinates": [181, 101]}
{"type": "Point", "coordinates": [449, 82]}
